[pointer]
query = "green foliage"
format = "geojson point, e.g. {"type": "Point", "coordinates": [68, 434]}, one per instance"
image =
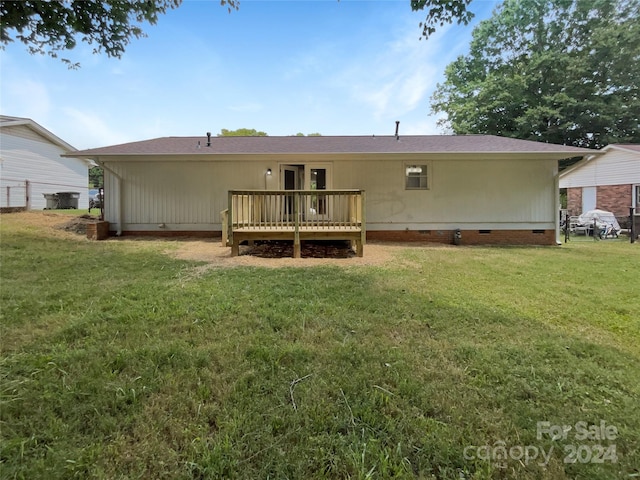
{"type": "Point", "coordinates": [442, 12]}
{"type": "Point", "coordinates": [119, 361]}
{"type": "Point", "coordinates": [96, 177]}
{"type": "Point", "coordinates": [51, 27]}
{"type": "Point", "coordinates": [300, 134]}
{"type": "Point", "coordinates": [559, 71]}
{"type": "Point", "coordinates": [241, 132]}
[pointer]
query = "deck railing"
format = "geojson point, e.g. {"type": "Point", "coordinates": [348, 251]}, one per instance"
{"type": "Point", "coordinates": [324, 212]}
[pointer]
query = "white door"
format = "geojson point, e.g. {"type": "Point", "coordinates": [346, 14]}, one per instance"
{"type": "Point", "coordinates": [588, 199]}
{"type": "Point", "coordinates": [318, 177]}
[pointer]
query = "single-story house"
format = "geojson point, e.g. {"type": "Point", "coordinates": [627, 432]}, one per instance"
{"type": "Point", "coordinates": [31, 165]}
{"type": "Point", "coordinates": [494, 190]}
{"type": "Point", "coordinates": [609, 181]}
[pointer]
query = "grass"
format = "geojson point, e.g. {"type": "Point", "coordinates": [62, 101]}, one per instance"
{"type": "Point", "coordinates": [118, 361]}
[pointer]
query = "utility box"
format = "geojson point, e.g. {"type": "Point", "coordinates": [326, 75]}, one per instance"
{"type": "Point", "coordinates": [457, 237]}
{"type": "Point", "coordinates": [68, 199]}
{"type": "Point", "coordinates": [52, 201]}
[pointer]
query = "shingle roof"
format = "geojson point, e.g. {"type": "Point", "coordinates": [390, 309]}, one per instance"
{"type": "Point", "coordinates": [337, 144]}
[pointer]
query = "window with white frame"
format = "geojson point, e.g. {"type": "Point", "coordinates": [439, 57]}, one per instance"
{"type": "Point", "coordinates": [636, 197]}
{"type": "Point", "coordinates": [415, 177]}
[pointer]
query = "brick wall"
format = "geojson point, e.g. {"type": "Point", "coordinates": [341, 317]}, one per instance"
{"type": "Point", "coordinates": [469, 237]}
{"type": "Point", "coordinates": [170, 233]}
{"type": "Point", "coordinates": [574, 201]}
{"type": "Point", "coordinates": [614, 198]}
{"type": "Point", "coordinates": [12, 209]}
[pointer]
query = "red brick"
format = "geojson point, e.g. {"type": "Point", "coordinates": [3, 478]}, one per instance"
{"type": "Point", "coordinates": [469, 237]}
{"type": "Point", "coordinates": [614, 198]}
{"type": "Point", "coordinates": [574, 201]}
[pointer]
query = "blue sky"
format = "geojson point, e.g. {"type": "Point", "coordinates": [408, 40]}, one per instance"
{"type": "Point", "coordinates": [334, 67]}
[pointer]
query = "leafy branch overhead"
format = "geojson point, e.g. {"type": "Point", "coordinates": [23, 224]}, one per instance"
{"type": "Point", "coordinates": [442, 12]}
{"type": "Point", "coordinates": [51, 27]}
{"type": "Point", "coordinates": [109, 26]}
{"type": "Point", "coordinates": [559, 71]}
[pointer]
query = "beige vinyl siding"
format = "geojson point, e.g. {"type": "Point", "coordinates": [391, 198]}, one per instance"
{"type": "Point", "coordinates": [188, 194]}
{"type": "Point", "coordinates": [183, 195]}
{"type": "Point", "coordinates": [462, 193]}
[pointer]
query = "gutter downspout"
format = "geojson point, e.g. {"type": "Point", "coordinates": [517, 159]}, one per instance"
{"type": "Point", "coordinates": [119, 197]}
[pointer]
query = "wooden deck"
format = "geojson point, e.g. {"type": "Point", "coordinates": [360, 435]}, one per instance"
{"type": "Point", "coordinates": [295, 215]}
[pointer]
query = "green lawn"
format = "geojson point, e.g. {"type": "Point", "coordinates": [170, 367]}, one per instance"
{"type": "Point", "coordinates": [119, 361]}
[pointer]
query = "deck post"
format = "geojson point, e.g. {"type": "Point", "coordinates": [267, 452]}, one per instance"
{"type": "Point", "coordinates": [224, 222]}
{"type": "Point", "coordinates": [363, 229]}
{"type": "Point", "coordinates": [296, 233]}
{"type": "Point", "coordinates": [235, 248]}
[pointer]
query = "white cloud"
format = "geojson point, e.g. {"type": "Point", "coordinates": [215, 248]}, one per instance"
{"type": "Point", "coordinates": [88, 130]}
{"type": "Point", "coordinates": [401, 75]}
{"type": "Point", "coordinates": [26, 98]}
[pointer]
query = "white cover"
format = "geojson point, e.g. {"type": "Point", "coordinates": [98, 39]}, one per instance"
{"type": "Point", "coordinates": [602, 217]}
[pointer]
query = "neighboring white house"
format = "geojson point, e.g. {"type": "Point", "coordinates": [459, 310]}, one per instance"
{"type": "Point", "coordinates": [609, 181]}
{"type": "Point", "coordinates": [421, 188]}
{"type": "Point", "coordinates": [31, 165]}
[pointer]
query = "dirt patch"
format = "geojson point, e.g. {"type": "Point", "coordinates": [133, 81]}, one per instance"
{"type": "Point", "coordinates": [77, 224]}
{"type": "Point", "coordinates": [280, 254]}
{"type": "Point", "coordinates": [211, 252]}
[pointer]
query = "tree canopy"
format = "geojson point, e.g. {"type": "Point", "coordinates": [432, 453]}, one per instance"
{"type": "Point", "coordinates": [560, 71]}
{"type": "Point", "coordinates": [52, 27]}
{"type": "Point", "coordinates": [241, 132]}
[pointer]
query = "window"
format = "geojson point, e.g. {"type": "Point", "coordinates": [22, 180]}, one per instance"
{"type": "Point", "coordinates": [636, 196]}
{"type": "Point", "coordinates": [415, 177]}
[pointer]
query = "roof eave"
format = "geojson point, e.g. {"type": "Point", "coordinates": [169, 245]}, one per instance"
{"type": "Point", "coordinates": [559, 155]}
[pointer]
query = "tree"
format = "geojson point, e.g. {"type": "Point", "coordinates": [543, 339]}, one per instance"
{"type": "Point", "coordinates": [53, 26]}
{"type": "Point", "coordinates": [96, 177]}
{"type": "Point", "coordinates": [559, 71]}
{"type": "Point", "coordinates": [241, 132]}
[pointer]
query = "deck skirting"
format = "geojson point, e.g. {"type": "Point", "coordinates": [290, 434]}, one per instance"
{"type": "Point", "coordinates": [294, 215]}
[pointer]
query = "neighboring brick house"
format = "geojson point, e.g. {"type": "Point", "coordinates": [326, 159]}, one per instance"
{"type": "Point", "coordinates": [610, 181]}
